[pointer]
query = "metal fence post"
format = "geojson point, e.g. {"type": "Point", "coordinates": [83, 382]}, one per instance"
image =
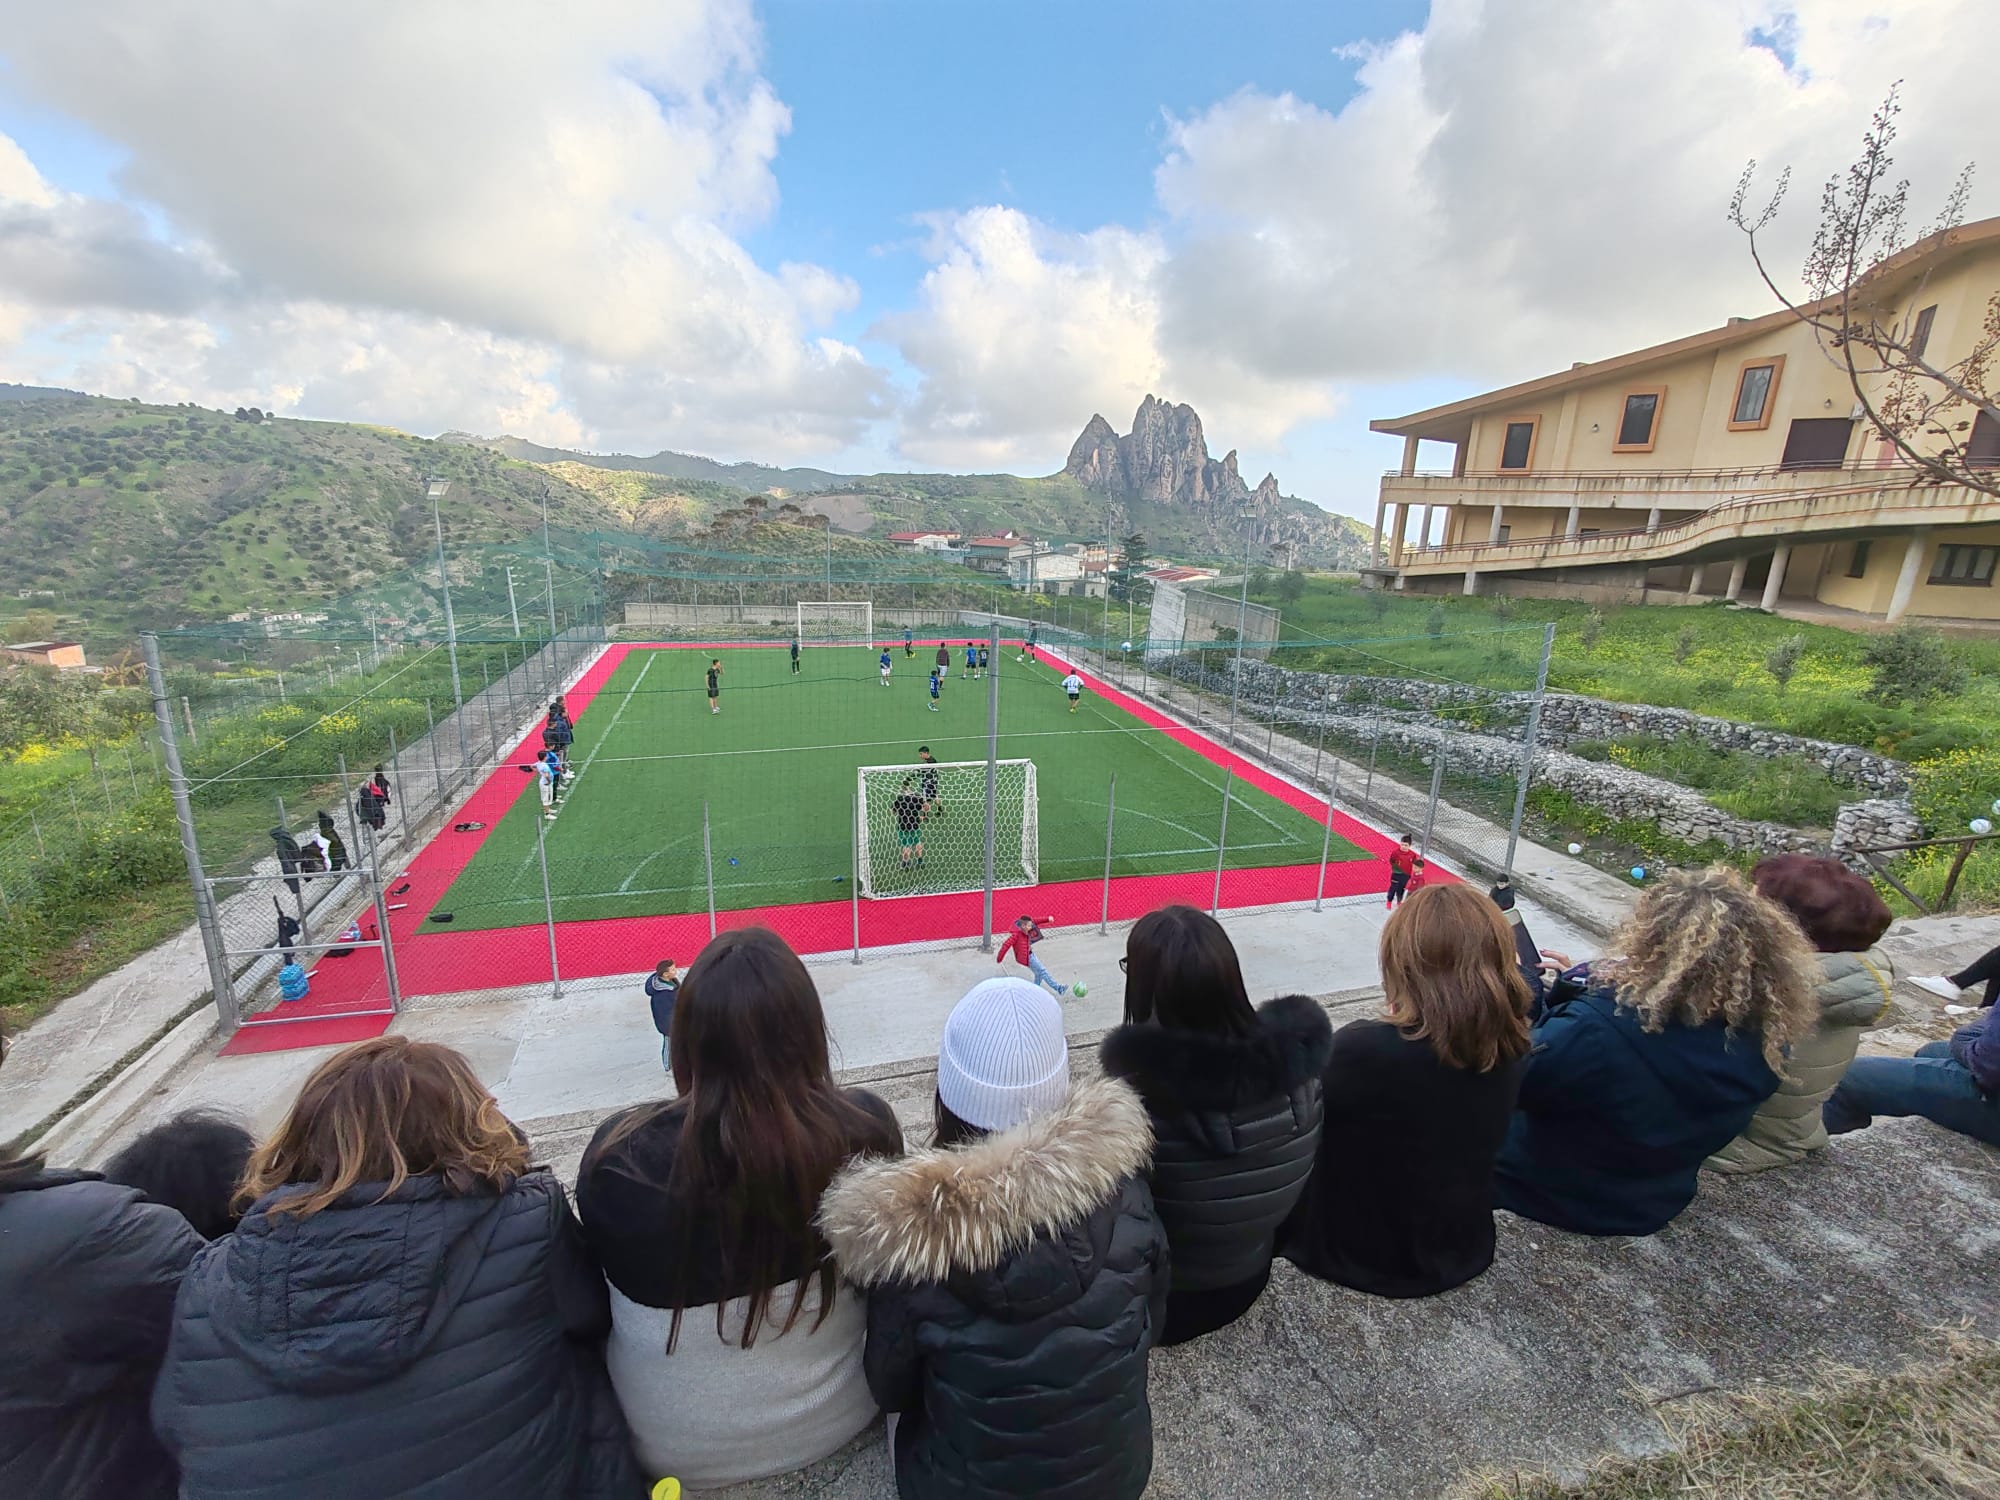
{"type": "Point", "coordinates": [992, 780]}
{"type": "Point", "coordinates": [347, 803]}
{"type": "Point", "coordinates": [1437, 786]}
{"type": "Point", "coordinates": [40, 842]}
{"type": "Point", "coordinates": [1532, 739]}
{"type": "Point", "coordinates": [548, 904]}
{"type": "Point", "coordinates": [187, 712]}
{"type": "Point", "coordinates": [1221, 841]}
{"type": "Point", "coordinates": [1319, 748]}
{"type": "Point", "coordinates": [1374, 749]}
{"type": "Point", "coordinates": [708, 864]}
{"type": "Point", "coordinates": [389, 974]}
{"type": "Point", "coordinates": [76, 809]}
{"type": "Point", "coordinates": [1326, 839]}
{"type": "Point", "coordinates": [204, 904]}
{"type": "Point", "coordinates": [402, 786]}
{"type": "Point", "coordinates": [854, 867]}
{"type": "Point", "coordinates": [1110, 816]}
{"type": "Point", "coordinates": [437, 766]}
{"type": "Point", "coordinates": [130, 769]}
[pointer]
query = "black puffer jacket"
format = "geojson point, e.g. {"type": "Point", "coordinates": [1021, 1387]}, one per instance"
{"type": "Point", "coordinates": [88, 1273]}
{"type": "Point", "coordinates": [1236, 1124]}
{"type": "Point", "coordinates": [426, 1345]}
{"type": "Point", "coordinates": [1015, 1289]}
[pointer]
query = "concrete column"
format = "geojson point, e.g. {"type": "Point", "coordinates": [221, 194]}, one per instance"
{"type": "Point", "coordinates": [1424, 536]}
{"type": "Point", "coordinates": [1776, 581]}
{"type": "Point", "coordinates": [1694, 579]}
{"type": "Point", "coordinates": [1399, 522]}
{"type": "Point", "coordinates": [1653, 519]}
{"type": "Point", "coordinates": [1471, 582]}
{"type": "Point", "coordinates": [1499, 520]}
{"type": "Point", "coordinates": [1375, 556]}
{"type": "Point", "coordinates": [1736, 571]}
{"type": "Point", "coordinates": [1575, 521]}
{"type": "Point", "coordinates": [1914, 552]}
{"type": "Point", "coordinates": [1409, 455]}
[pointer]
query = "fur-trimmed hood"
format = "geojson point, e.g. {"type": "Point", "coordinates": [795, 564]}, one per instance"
{"type": "Point", "coordinates": [934, 1213]}
{"type": "Point", "coordinates": [1176, 1070]}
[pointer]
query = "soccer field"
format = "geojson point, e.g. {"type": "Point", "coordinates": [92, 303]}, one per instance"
{"type": "Point", "coordinates": [777, 766]}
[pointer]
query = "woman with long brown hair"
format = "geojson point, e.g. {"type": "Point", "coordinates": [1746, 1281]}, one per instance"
{"type": "Point", "coordinates": [735, 1351]}
{"type": "Point", "coordinates": [1659, 1056]}
{"type": "Point", "coordinates": [1417, 1104]}
{"type": "Point", "coordinates": [406, 1308]}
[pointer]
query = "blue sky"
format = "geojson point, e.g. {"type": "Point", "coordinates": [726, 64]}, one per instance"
{"type": "Point", "coordinates": [871, 234]}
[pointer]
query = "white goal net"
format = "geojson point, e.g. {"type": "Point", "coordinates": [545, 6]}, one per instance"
{"type": "Point", "coordinates": [923, 827]}
{"type": "Point", "coordinates": [836, 619]}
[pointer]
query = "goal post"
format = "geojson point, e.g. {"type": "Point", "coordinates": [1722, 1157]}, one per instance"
{"type": "Point", "coordinates": [830, 620]}
{"type": "Point", "coordinates": [923, 827]}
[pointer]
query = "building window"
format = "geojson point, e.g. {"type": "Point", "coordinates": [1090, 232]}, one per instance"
{"type": "Point", "coordinates": [1817, 443]}
{"type": "Point", "coordinates": [1756, 393]}
{"type": "Point", "coordinates": [1982, 445]}
{"type": "Point", "coordinates": [1506, 532]}
{"type": "Point", "coordinates": [1964, 567]}
{"type": "Point", "coordinates": [1639, 422]}
{"type": "Point", "coordinates": [1857, 563]}
{"type": "Point", "coordinates": [1517, 448]}
{"type": "Point", "coordinates": [1920, 332]}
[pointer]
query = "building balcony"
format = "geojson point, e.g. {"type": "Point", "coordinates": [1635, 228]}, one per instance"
{"type": "Point", "coordinates": [1623, 489]}
{"type": "Point", "coordinates": [1730, 527]}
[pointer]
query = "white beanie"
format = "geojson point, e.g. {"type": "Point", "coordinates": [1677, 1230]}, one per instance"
{"type": "Point", "coordinates": [1004, 1057]}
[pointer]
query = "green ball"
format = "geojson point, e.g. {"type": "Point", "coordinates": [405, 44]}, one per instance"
{"type": "Point", "coordinates": [1079, 989]}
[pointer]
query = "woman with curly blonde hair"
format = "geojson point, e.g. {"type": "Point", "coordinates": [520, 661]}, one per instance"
{"type": "Point", "coordinates": [1646, 1063]}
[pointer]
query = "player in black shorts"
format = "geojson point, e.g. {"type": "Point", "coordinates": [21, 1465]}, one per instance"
{"type": "Point", "coordinates": [927, 780]}
{"type": "Point", "coordinates": [909, 809]}
{"type": "Point", "coordinates": [795, 656]}
{"type": "Point", "coordinates": [715, 685]}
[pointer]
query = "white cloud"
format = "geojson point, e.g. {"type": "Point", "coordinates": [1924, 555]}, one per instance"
{"type": "Point", "coordinates": [1517, 186]}
{"type": "Point", "coordinates": [548, 186]}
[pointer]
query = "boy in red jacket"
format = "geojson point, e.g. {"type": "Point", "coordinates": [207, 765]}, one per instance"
{"type": "Point", "coordinates": [1020, 942]}
{"type": "Point", "coordinates": [1403, 862]}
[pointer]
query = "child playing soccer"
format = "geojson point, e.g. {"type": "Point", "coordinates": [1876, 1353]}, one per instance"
{"type": "Point", "coordinates": [1403, 863]}
{"type": "Point", "coordinates": [908, 807]}
{"type": "Point", "coordinates": [944, 658]}
{"type": "Point", "coordinates": [980, 669]}
{"type": "Point", "coordinates": [936, 683]}
{"type": "Point", "coordinates": [909, 641]}
{"type": "Point", "coordinates": [715, 685]}
{"type": "Point", "coordinates": [545, 781]}
{"type": "Point", "coordinates": [795, 656]}
{"type": "Point", "coordinates": [927, 780]}
{"type": "Point", "coordinates": [1021, 943]}
{"type": "Point", "coordinates": [971, 659]}
{"type": "Point", "coordinates": [1073, 685]}
{"type": "Point", "coordinates": [885, 664]}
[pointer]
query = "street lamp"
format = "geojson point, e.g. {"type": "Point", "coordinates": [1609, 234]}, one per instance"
{"type": "Point", "coordinates": [434, 489]}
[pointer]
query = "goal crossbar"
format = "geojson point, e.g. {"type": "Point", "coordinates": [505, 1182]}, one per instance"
{"type": "Point", "coordinates": [855, 617]}
{"type": "Point", "coordinates": [945, 852]}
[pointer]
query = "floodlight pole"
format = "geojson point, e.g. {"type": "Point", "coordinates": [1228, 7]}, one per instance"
{"type": "Point", "coordinates": [1242, 623]}
{"type": "Point", "coordinates": [512, 613]}
{"type": "Point", "coordinates": [434, 492]}
{"type": "Point", "coordinates": [992, 779]}
{"type": "Point", "coordinates": [549, 572]}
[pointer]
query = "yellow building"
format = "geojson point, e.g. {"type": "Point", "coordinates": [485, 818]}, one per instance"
{"type": "Point", "coordinates": [1733, 463]}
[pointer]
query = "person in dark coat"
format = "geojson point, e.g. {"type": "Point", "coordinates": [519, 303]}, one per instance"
{"type": "Point", "coordinates": [1417, 1104]}
{"type": "Point", "coordinates": [1234, 1096]}
{"type": "Point", "coordinates": [1644, 1065]}
{"type": "Point", "coordinates": [336, 847]}
{"type": "Point", "coordinates": [88, 1272]}
{"type": "Point", "coordinates": [407, 1309]}
{"type": "Point", "coordinates": [371, 806]}
{"type": "Point", "coordinates": [192, 1164]}
{"type": "Point", "coordinates": [1016, 1271]}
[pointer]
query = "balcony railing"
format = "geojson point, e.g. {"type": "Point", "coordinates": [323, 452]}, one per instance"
{"type": "Point", "coordinates": [1741, 471]}
{"type": "Point", "coordinates": [1860, 506]}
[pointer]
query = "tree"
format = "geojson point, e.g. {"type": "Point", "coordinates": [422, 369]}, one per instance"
{"type": "Point", "coordinates": [1863, 311]}
{"type": "Point", "coordinates": [1260, 579]}
{"type": "Point", "coordinates": [1593, 629]}
{"type": "Point", "coordinates": [1685, 640]}
{"type": "Point", "coordinates": [1125, 566]}
{"type": "Point", "coordinates": [1291, 587]}
{"type": "Point", "coordinates": [1912, 665]}
{"type": "Point", "coordinates": [1782, 660]}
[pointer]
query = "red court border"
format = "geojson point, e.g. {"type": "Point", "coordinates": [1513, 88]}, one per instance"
{"type": "Point", "coordinates": [432, 959]}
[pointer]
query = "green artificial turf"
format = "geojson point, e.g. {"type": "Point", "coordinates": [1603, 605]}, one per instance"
{"type": "Point", "coordinates": [777, 770]}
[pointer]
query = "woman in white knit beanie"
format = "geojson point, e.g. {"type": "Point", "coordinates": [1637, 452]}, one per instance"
{"type": "Point", "coordinates": [1016, 1271]}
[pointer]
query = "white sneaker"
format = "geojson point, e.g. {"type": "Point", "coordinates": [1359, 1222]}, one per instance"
{"type": "Point", "coordinates": [1960, 1010]}
{"type": "Point", "coordinates": [1937, 985]}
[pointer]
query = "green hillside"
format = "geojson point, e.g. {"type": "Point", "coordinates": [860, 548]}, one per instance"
{"type": "Point", "coordinates": [132, 514]}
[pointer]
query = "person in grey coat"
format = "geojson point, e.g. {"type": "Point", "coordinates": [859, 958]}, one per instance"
{"type": "Point", "coordinates": [406, 1310]}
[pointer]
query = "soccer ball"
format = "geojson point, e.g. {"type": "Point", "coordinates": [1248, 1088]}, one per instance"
{"type": "Point", "coordinates": [1981, 826]}
{"type": "Point", "coordinates": [1079, 989]}
{"type": "Point", "coordinates": [1576, 848]}
{"type": "Point", "coordinates": [1128, 647]}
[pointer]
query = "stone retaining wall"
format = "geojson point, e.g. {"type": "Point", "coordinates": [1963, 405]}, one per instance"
{"type": "Point", "coordinates": [1566, 717]}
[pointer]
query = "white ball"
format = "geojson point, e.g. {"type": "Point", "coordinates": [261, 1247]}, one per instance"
{"type": "Point", "coordinates": [1981, 825]}
{"type": "Point", "coordinates": [1576, 848]}
{"type": "Point", "coordinates": [1996, 805]}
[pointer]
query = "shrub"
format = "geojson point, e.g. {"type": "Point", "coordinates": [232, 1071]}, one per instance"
{"type": "Point", "coordinates": [1434, 622]}
{"type": "Point", "coordinates": [1949, 791]}
{"type": "Point", "coordinates": [1782, 660]}
{"type": "Point", "coordinates": [1684, 643]}
{"type": "Point", "coordinates": [1912, 665]}
{"type": "Point", "coordinates": [1593, 629]}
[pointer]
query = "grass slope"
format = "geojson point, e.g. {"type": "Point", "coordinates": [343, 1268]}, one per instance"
{"type": "Point", "coordinates": [777, 769]}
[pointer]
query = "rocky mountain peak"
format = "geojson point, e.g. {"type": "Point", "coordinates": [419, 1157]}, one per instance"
{"type": "Point", "coordinates": [1163, 458]}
